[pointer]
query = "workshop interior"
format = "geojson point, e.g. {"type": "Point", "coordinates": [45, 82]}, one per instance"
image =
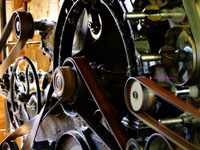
{"type": "Point", "coordinates": [100, 74]}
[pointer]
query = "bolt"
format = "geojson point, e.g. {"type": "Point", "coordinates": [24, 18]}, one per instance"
{"type": "Point", "coordinates": [18, 26]}
{"type": "Point", "coordinates": [135, 95]}
{"type": "Point", "coordinates": [58, 82]}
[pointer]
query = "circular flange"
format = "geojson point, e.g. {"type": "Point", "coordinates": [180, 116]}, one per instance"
{"type": "Point", "coordinates": [138, 98]}
{"type": "Point", "coordinates": [23, 24]}
{"type": "Point", "coordinates": [179, 70]}
{"type": "Point", "coordinates": [158, 142]}
{"type": "Point", "coordinates": [72, 140]}
{"type": "Point", "coordinates": [132, 145]}
{"type": "Point", "coordinates": [64, 82]}
{"type": "Point", "coordinates": [17, 27]}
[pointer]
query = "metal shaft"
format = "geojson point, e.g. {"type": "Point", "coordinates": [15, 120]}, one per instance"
{"type": "Point", "coordinates": [3, 54]}
{"type": "Point", "coordinates": [171, 121]}
{"type": "Point", "coordinates": [150, 57]}
{"type": "Point", "coordinates": [27, 43]}
{"type": "Point", "coordinates": [177, 14]}
{"type": "Point", "coordinates": [3, 23]}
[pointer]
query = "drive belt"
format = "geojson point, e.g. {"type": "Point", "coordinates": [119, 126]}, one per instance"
{"type": "Point", "coordinates": [24, 29]}
{"type": "Point", "coordinates": [97, 93]}
{"type": "Point", "coordinates": [23, 25]}
{"type": "Point", "coordinates": [32, 125]}
{"type": "Point", "coordinates": [102, 101]}
{"type": "Point", "coordinates": [108, 111]}
{"type": "Point", "coordinates": [169, 98]}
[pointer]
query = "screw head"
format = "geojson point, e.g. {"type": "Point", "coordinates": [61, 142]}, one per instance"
{"type": "Point", "coordinates": [58, 82]}
{"type": "Point", "coordinates": [18, 26]}
{"type": "Point", "coordinates": [135, 94]}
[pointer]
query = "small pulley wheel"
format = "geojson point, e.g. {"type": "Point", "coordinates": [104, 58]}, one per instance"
{"type": "Point", "coordinates": [138, 98]}
{"type": "Point", "coordinates": [72, 140]}
{"type": "Point", "coordinates": [132, 145]}
{"type": "Point", "coordinates": [9, 146]}
{"type": "Point", "coordinates": [158, 142]}
{"type": "Point", "coordinates": [17, 27]}
{"type": "Point", "coordinates": [64, 82]}
{"type": "Point", "coordinates": [23, 21]}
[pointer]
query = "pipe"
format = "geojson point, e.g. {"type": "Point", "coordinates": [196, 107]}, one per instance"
{"type": "Point", "coordinates": [3, 22]}
{"type": "Point", "coordinates": [3, 55]}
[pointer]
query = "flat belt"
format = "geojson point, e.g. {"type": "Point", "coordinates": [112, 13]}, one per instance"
{"type": "Point", "coordinates": [24, 29]}
{"type": "Point", "coordinates": [157, 126]}
{"type": "Point", "coordinates": [23, 25]}
{"type": "Point", "coordinates": [109, 112]}
{"type": "Point", "coordinates": [103, 103]}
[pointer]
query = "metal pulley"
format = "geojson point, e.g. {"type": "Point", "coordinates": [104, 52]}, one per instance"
{"type": "Point", "coordinates": [20, 23]}
{"type": "Point", "coordinates": [158, 142]}
{"type": "Point", "coordinates": [72, 140]}
{"type": "Point", "coordinates": [64, 82]}
{"type": "Point", "coordinates": [132, 144]}
{"type": "Point", "coordinates": [138, 98]}
{"type": "Point", "coordinates": [24, 29]}
{"type": "Point", "coordinates": [179, 56]}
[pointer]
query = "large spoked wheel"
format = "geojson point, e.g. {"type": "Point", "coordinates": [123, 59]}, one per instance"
{"type": "Point", "coordinates": [25, 96]}
{"type": "Point", "coordinates": [94, 30]}
{"type": "Point", "coordinates": [97, 31]}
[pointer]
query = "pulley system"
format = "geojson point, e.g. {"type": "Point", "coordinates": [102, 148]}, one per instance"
{"type": "Point", "coordinates": [125, 75]}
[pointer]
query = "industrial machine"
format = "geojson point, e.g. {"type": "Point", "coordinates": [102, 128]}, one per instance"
{"type": "Point", "coordinates": [125, 75]}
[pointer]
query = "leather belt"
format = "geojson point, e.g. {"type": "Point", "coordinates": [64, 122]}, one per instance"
{"type": "Point", "coordinates": [102, 101]}
{"type": "Point", "coordinates": [168, 96]}
{"type": "Point", "coordinates": [97, 93]}
{"type": "Point", "coordinates": [24, 29]}
{"type": "Point", "coordinates": [32, 125]}
{"type": "Point", "coordinates": [108, 112]}
{"type": "Point", "coordinates": [23, 25]}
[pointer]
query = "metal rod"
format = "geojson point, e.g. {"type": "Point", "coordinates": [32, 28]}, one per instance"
{"type": "Point", "coordinates": [3, 56]}
{"type": "Point", "coordinates": [3, 23]}
{"type": "Point", "coordinates": [27, 43]}
{"type": "Point", "coordinates": [139, 15]}
{"type": "Point", "coordinates": [25, 5]}
{"type": "Point", "coordinates": [186, 119]}
{"type": "Point", "coordinates": [171, 121]}
{"type": "Point", "coordinates": [150, 57]}
{"type": "Point", "coordinates": [184, 91]}
{"type": "Point", "coordinates": [177, 14]}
